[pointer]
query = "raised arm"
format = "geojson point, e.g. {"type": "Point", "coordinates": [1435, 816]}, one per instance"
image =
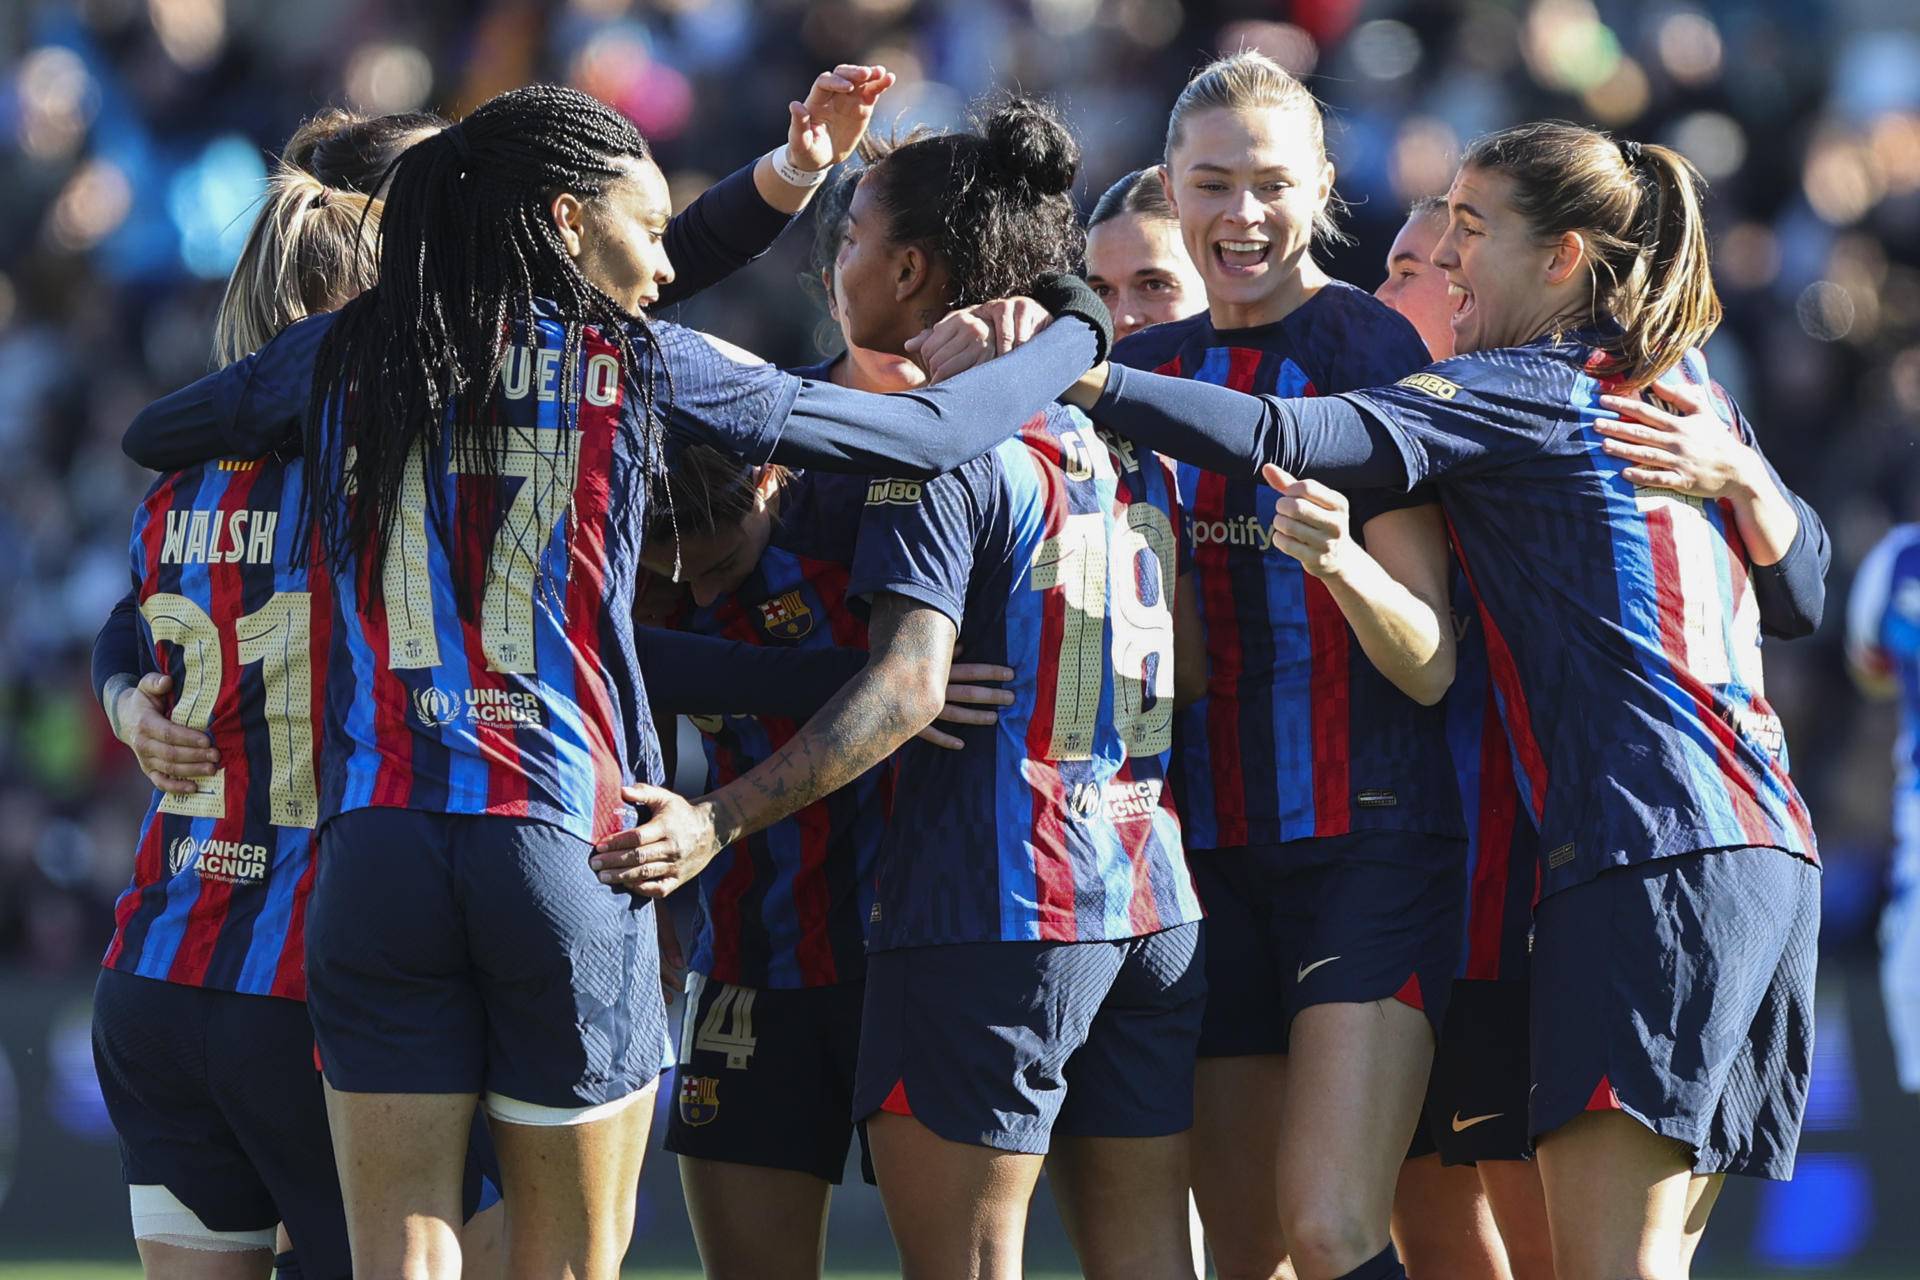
{"type": "Point", "coordinates": [896, 695]}
{"type": "Point", "coordinates": [738, 218]}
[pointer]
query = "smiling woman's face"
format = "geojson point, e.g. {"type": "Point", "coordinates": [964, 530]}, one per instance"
{"type": "Point", "coordinates": [1247, 186]}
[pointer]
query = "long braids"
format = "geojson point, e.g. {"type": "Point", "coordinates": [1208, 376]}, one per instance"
{"type": "Point", "coordinates": [467, 245]}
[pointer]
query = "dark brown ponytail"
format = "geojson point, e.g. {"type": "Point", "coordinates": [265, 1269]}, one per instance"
{"type": "Point", "coordinates": [1638, 207]}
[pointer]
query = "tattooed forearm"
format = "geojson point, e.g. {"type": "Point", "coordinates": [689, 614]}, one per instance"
{"type": "Point", "coordinates": [896, 696]}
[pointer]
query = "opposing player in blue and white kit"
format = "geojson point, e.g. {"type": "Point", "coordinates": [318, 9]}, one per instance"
{"type": "Point", "coordinates": [1624, 572]}
{"type": "Point", "coordinates": [484, 703]}
{"type": "Point", "coordinates": [1883, 652]}
{"type": "Point", "coordinates": [1034, 986]}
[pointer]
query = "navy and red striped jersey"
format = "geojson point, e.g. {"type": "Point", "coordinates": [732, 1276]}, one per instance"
{"type": "Point", "coordinates": [1299, 734]}
{"type": "Point", "coordinates": [788, 907]}
{"type": "Point", "coordinates": [1054, 554]}
{"type": "Point", "coordinates": [1503, 847]}
{"type": "Point", "coordinates": [228, 609]}
{"type": "Point", "coordinates": [528, 701]}
{"type": "Point", "coordinates": [1621, 623]}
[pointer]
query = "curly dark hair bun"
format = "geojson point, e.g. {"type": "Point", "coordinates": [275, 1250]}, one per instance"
{"type": "Point", "coordinates": [1027, 143]}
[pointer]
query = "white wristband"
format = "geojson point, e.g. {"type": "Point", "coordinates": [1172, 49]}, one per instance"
{"type": "Point", "coordinates": [787, 172]}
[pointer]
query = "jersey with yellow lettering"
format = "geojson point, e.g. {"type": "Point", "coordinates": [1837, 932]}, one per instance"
{"type": "Point", "coordinates": [228, 609]}
{"type": "Point", "coordinates": [1054, 554]}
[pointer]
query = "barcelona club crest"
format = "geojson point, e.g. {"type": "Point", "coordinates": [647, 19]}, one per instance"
{"type": "Point", "coordinates": [699, 1099]}
{"type": "Point", "coordinates": [787, 617]}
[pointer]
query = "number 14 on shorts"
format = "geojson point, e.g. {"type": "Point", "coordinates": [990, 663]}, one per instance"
{"type": "Point", "coordinates": [727, 1025]}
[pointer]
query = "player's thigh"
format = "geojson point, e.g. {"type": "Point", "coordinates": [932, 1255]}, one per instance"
{"type": "Point", "coordinates": [1355, 1079]}
{"type": "Point", "coordinates": [1442, 1225]}
{"type": "Point", "coordinates": [755, 1223]}
{"type": "Point", "coordinates": [483, 1244]}
{"type": "Point", "coordinates": [1617, 1198]}
{"type": "Point", "coordinates": [1237, 1109]}
{"type": "Point", "coordinates": [1123, 1202]}
{"type": "Point", "coordinates": [1519, 1209]}
{"type": "Point", "coordinates": [958, 1210]}
{"type": "Point", "coordinates": [400, 1157]}
{"type": "Point", "coordinates": [571, 1182]}
{"type": "Point", "coordinates": [177, 1262]}
{"type": "Point", "coordinates": [1900, 983]}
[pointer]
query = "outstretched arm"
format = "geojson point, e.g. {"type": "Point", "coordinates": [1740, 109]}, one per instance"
{"type": "Point", "coordinates": [1325, 437]}
{"type": "Point", "coordinates": [895, 696]}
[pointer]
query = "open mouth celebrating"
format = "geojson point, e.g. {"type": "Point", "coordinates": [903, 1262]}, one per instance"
{"type": "Point", "coordinates": [1241, 257]}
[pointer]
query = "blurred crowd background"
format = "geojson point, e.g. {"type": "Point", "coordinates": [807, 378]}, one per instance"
{"type": "Point", "coordinates": [134, 136]}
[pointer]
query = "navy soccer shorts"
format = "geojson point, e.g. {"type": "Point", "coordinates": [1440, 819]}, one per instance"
{"type": "Point", "coordinates": [1680, 991]}
{"type": "Point", "coordinates": [1002, 1044]}
{"type": "Point", "coordinates": [1477, 1097]}
{"type": "Point", "coordinates": [478, 954]}
{"type": "Point", "coordinates": [215, 1098]}
{"type": "Point", "coordinates": [1371, 915]}
{"type": "Point", "coordinates": [765, 1076]}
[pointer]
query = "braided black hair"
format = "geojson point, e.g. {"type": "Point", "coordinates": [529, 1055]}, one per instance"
{"type": "Point", "coordinates": [994, 203]}
{"type": "Point", "coordinates": [467, 245]}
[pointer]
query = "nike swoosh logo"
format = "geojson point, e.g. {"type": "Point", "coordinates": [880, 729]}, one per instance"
{"type": "Point", "coordinates": [1459, 1124]}
{"type": "Point", "coordinates": [1300, 975]}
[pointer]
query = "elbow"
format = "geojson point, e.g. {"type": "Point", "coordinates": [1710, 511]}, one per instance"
{"type": "Point", "coordinates": [916, 698]}
{"type": "Point", "coordinates": [1429, 684]}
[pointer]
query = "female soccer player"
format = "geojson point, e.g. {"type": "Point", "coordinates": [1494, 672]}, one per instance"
{"type": "Point", "coordinates": [1135, 260]}
{"type": "Point", "coordinates": [1316, 796]}
{"type": "Point", "coordinates": [305, 255]}
{"type": "Point", "coordinates": [771, 1029]}
{"type": "Point", "coordinates": [483, 700]}
{"type": "Point", "coordinates": [1624, 571]}
{"type": "Point", "coordinates": [1443, 1221]}
{"type": "Point", "coordinates": [1034, 985]}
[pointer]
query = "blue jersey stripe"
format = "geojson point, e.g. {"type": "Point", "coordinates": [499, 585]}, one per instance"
{"type": "Point", "coordinates": [1025, 610]}
{"type": "Point", "coordinates": [1639, 611]}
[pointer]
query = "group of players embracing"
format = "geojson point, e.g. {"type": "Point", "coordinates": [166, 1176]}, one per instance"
{"type": "Point", "coordinates": [1126, 758]}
